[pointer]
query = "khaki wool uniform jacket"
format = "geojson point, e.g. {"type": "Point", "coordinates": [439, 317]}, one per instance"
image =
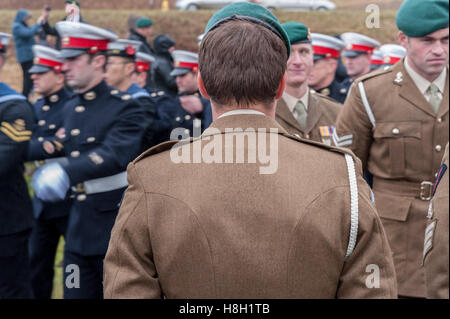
{"type": "Point", "coordinates": [322, 113]}
{"type": "Point", "coordinates": [400, 140]}
{"type": "Point", "coordinates": [436, 251]}
{"type": "Point", "coordinates": [222, 230]}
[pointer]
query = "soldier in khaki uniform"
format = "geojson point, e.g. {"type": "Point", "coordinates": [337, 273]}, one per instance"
{"type": "Point", "coordinates": [220, 229]}
{"type": "Point", "coordinates": [397, 122]}
{"type": "Point", "coordinates": [435, 251]}
{"type": "Point", "coordinates": [301, 111]}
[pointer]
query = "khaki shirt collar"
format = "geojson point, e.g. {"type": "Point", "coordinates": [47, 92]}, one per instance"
{"type": "Point", "coordinates": [291, 101]}
{"type": "Point", "coordinates": [422, 83]}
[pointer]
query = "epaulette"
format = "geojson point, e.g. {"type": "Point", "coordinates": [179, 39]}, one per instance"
{"type": "Point", "coordinates": [329, 148]}
{"type": "Point", "coordinates": [374, 74]}
{"type": "Point", "coordinates": [160, 148]}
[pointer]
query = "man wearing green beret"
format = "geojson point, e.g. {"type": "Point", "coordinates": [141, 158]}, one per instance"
{"type": "Point", "coordinates": [141, 32]}
{"type": "Point", "coordinates": [397, 121]}
{"type": "Point", "coordinates": [223, 228]}
{"type": "Point", "coordinates": [301, 111]}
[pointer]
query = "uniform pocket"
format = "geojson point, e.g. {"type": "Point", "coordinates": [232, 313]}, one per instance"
{"type": "Point", "coordinates": [398, 141]}
{"type": "Point", "coordinates": [393, 212]}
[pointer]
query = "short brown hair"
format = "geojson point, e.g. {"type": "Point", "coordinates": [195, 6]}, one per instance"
{"type": "Point", "coordinates": [242, 63]}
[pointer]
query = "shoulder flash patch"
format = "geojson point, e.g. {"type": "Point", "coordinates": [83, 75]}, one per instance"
{"type": "Point", "coordinates": [440, 174]}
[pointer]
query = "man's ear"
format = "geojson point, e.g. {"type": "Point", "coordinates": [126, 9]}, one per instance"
{"type": "Point", "coordinates": [281, 87]}
{"type": "Point", "coordinates": [402, 39]}
{"type": "Point", "coordinates": [201, 86]}
{"type": "Point", "coordinates": [99, 62]}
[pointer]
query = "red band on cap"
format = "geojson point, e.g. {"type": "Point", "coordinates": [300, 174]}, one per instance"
{"type": "Point", "coordinates": [328, 52]}
{"type": "Point", "coordinates": [77, 43]}
{"type": "Point", "coordinates": [376, 62]}
{"type": "Point", "coordinates": [391, 60]}
{"type": "Point", "coordinates": [357, 47]}
{"type": "Point", "coordinates": [1, 46]}
{"type": "Point", "coordinates": [142, 66]}
{"type": "Point", "coordinates": [55, 65]}
{"type": "Point", "coordinates": [188, 65]}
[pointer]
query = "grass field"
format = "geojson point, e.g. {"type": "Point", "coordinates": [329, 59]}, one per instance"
{"type": "Point", "coordinates": [184, 27]}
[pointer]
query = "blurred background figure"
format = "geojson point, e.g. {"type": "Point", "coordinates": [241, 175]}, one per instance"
{"type": "Point", "coordinates": [141, 75]}
{"type": "Point", "coordinates": [376, 61]}
{"type": "Point", "coordinates": [358, 51]}
{"type": "Point", "coordinates": [131, 24]}
{"type": "Point", "coordinates": [16, 120]}
{"type": "Point", "coordinates": [23, 42]}
{"type": "Point", "coordinates": [73, 14]}
{"type": "Point", "coordinates": [341, 71]}
{"type": "Point", "coordinates": [392, 53]}
{"type": "Point", "coordinates": [160, 71]}
{"type": "Point", "coordinates": [50, 219]}
{"type": "Point", "coordinates": [141, 32]}
{"type": "Point", "coordinates": [322, 79]}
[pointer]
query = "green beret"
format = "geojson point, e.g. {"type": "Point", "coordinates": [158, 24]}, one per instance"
{"type": "Point", "coordinates": [417, 18]}
{"type": "Point", "coordinates": [73, 2]}
{"type": "Point", "coordinates": [143, 22]}
{"type": "Point", "coordinates": [253, 13]}
{"type": "Point", "coordinates": [297, 32]}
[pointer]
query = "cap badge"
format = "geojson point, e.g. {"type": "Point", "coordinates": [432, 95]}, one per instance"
{"type": "Point", "coordinates": [65, 41]}
{"type": "Point", "coordinates": [130, 50]}
{"type": "Point", "coordinates": [399, 77]}
{"type": "Point", "coordinates": [36, 60]}
{"type": "Point", "coordinates": [349, 46]}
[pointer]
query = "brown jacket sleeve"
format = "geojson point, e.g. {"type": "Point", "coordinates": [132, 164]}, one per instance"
{"type": "Point", "coordinates": [353, 119]}
{"type": "Point", "coordinates": [369, 271]}
{"type": "Point", "coordinates": [436, 243]}
{"type": "Point", "coordinates": [129, 271]}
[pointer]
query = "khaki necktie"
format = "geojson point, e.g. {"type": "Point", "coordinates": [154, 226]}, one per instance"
{"type": "Point", "coordinates": [435, 99]}
{"type": "Point", "coordinates": [300, 114]}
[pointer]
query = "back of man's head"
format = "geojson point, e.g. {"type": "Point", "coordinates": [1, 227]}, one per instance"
{"type": "Point", "coordinates": [242, 63]}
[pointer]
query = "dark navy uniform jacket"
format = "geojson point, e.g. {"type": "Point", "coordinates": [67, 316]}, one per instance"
{"type": "Point", "coordinates": [49, 114]}
{"type": "Point", "coordinates": [16, 120]}
{"type": "Point", "coordinates": [149, 104]}
{"type": "Point", "coordinates": [336, 91]}
{"type": "Point", "coordinates": [103, 133]}
{"type": "Point", "coordinates": [172, 115]}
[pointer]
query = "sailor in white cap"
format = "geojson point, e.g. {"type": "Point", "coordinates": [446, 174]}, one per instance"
{"type": "Point", "coordinates": [376, 61]}
{"type": "Point", "coordinates": [143, 63]}
{"type": "Point", "coordinates": [50, 218]}
{"type": "Point", "coordinates": [189, 110]}
{"type": "Point", "coordinates": [16, 121]}
{"type": "Point", "coordinates": [327, 51]}
{"type": "Point", "coordinates": [120, 64]}
{"type": "Point", "coordinates": [357, 53]}
{"type": "Point", "coordinates": [103, 133]}
{"type": "Point", "coordinates": [392, 53]}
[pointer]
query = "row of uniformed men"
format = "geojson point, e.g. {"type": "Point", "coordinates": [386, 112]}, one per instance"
{"type": "Point", "coordinates": [82, 143]}
{"type": "Point", "coordinates": [396, 120]}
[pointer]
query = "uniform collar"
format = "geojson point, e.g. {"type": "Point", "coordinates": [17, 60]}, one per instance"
{"type": "Point", "coordinates": [422, 83]}
{"type": "Point", "coordinates": [240, 112]}
{"type": "Point", "coordinates": [292, 101]}
{"type": "Point", "coordinates": [95, 92]}
{"type": "Point", "coordinates": [57, 96]}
